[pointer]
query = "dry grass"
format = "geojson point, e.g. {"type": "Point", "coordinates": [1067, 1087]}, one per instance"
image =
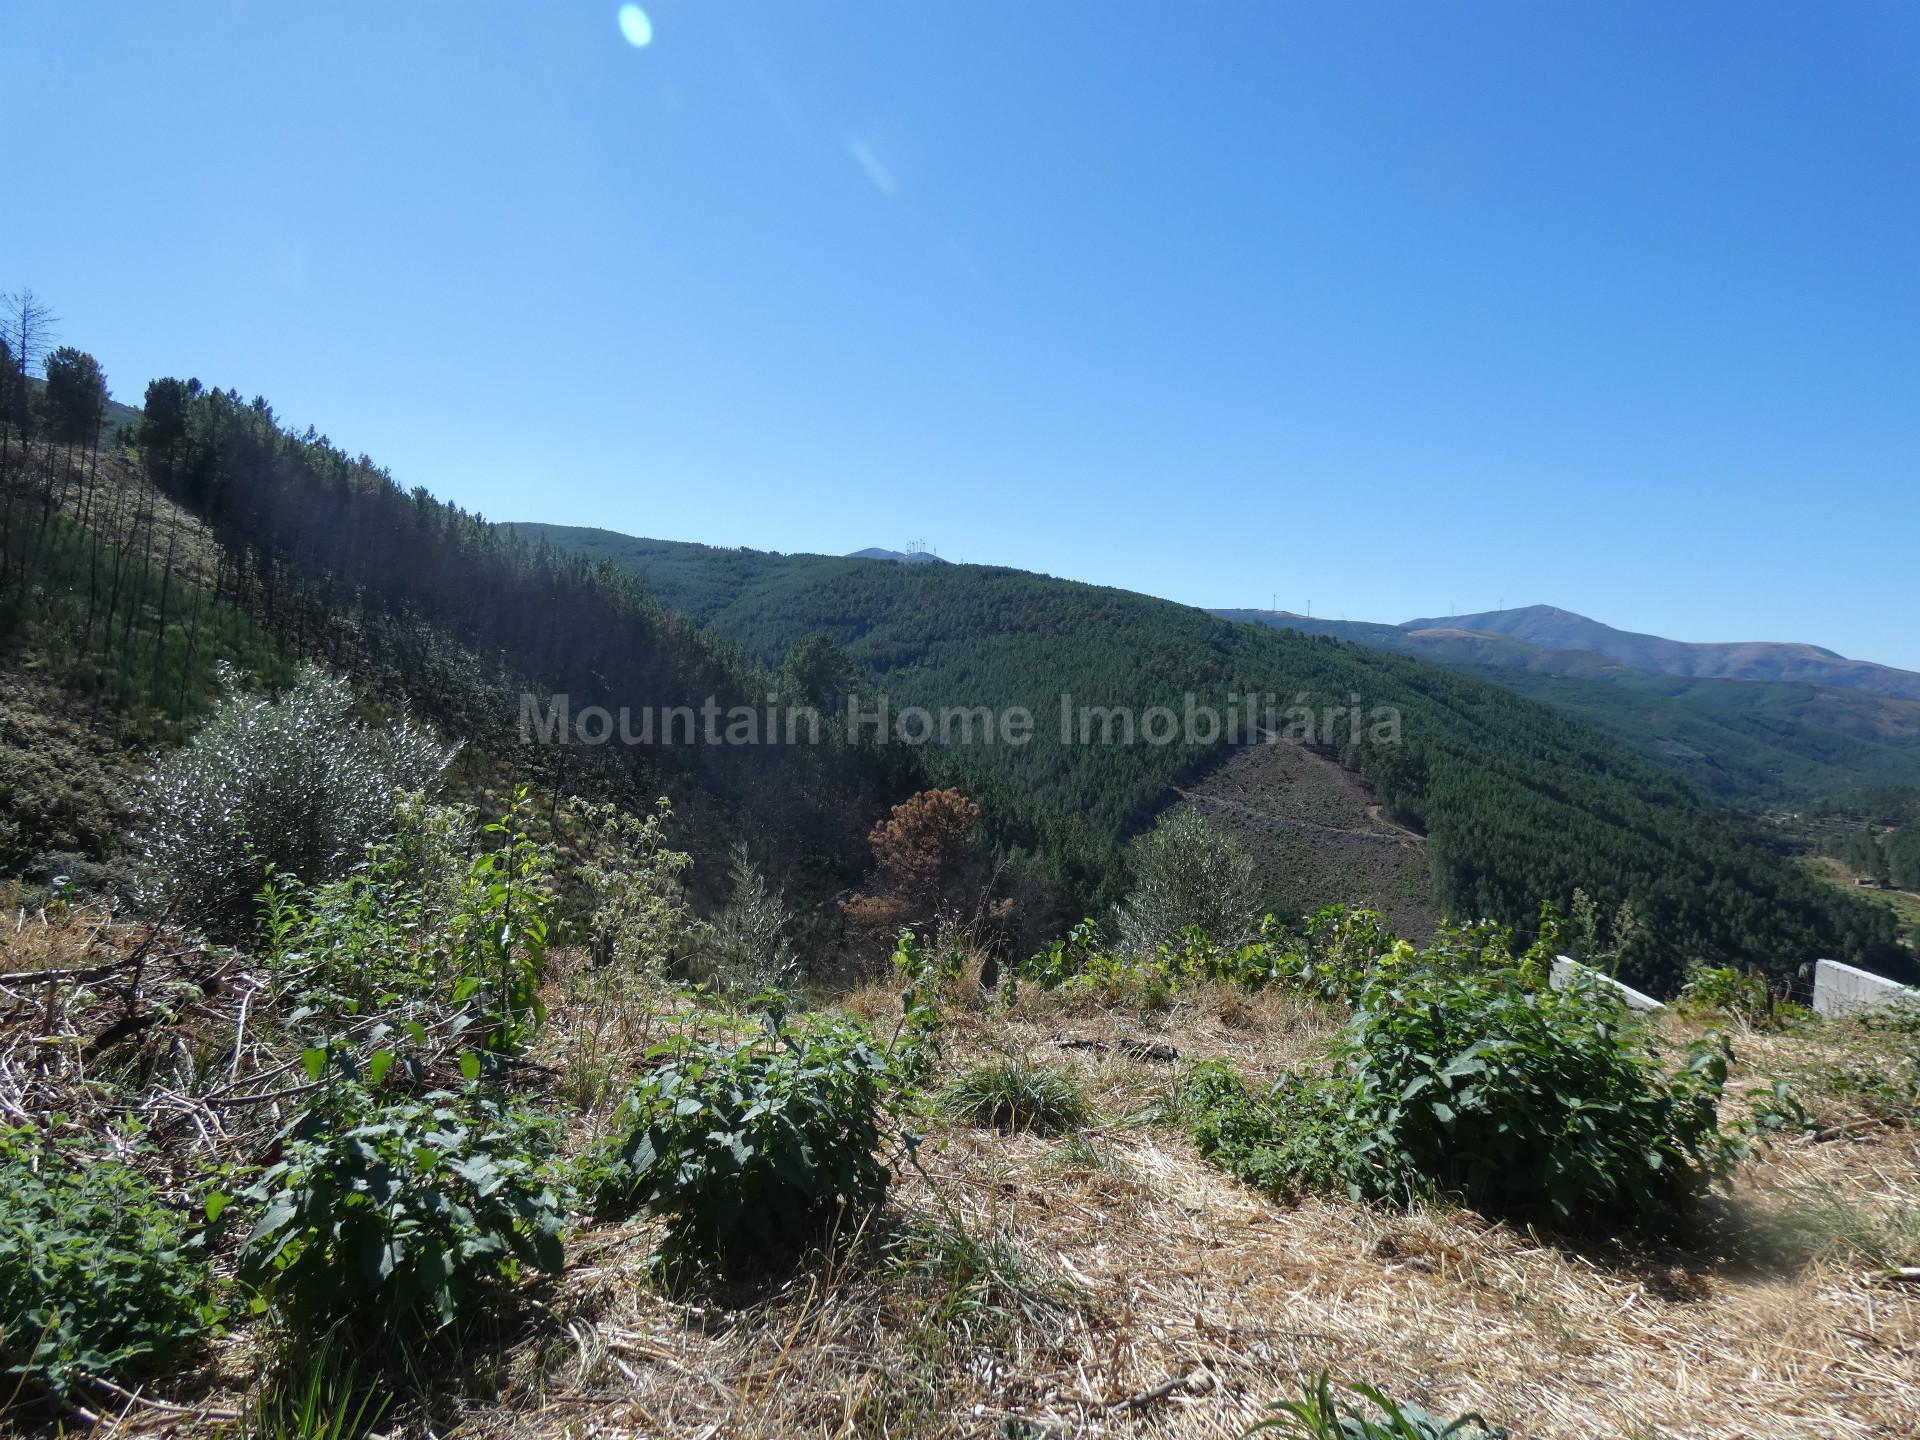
{"type": "Point", "coordinates": [1198, 1302]}
{"type": "Point", "coordinates": [1114, 1284]}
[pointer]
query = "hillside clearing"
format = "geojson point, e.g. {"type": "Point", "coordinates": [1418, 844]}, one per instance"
{"type": "Point", "coordinates": [1317, 833]}
{"type": "Point", "coordinates": [1903, 903]}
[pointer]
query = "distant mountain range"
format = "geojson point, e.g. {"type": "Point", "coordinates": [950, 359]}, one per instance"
{"type": "Point", "coordinates": [1541, 637]}
{"type": "Point", "coordinates": [1755, 743]}
{"type": "Point", "coordinates": [905, 557]}
{"type": "Point", "coordinates": [1760, 723]}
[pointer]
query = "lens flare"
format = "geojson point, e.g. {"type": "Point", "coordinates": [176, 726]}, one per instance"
{"type": "Point", "coordinates": [635, 25]}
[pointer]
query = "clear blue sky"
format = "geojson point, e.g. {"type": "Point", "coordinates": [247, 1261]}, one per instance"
{"type": "Point", "coordinates": [1393, 309]}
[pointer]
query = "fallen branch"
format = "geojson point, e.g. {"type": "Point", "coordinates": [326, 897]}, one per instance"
{"type": "Point", "coordinates": [1199, 1380]}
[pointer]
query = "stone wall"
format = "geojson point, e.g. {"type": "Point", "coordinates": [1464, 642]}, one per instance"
{"type": "Point", "coordinates": [1841, 989]}
{"type": "Point", "coordinates": [1566, 971]}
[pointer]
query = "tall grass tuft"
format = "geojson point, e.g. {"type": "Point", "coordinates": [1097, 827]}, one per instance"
{"type": "Point", "coordinates": [1015, 1094]}
{"type": "Point", "coordinates": [1317, 1415]}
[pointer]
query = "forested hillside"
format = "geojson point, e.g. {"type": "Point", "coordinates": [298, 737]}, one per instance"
{"type": "Point", "coordinates": [206, 532]}
{"type": "Point", "coordinates": [1518, 803]}
{"type": "Point", "coordinates": [132, 563]}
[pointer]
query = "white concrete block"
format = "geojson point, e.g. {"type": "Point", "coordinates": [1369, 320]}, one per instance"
{"type": "Point", "coordinates": [1842, 989]}
{"type": "Point", "coordinates": [1566, 971]}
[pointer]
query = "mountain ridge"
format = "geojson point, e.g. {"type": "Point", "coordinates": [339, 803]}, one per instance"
{"type": "Point", "coordinates": [903, 557]}
{"type": "Point", "coordinates": [1550, 628]}
{"type": "Point", "coordinates": [1762, 741]}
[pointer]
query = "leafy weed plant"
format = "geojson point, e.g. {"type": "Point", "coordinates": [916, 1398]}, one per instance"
{"type": "Point", "coordinates": [399, 1216]}
{"type": "Point", "coordinates": [753, 1153]}
{"type": "Point", "coordinates": [99, 1277]}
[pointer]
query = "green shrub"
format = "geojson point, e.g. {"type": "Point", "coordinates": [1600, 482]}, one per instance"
{"type": "Point", "coordinates": [1016, 1094]}
{"type": "Point", "coordinates": [1343, 945]}
{"type": "Point", "coordinates": [98, 1276]}
{"type": "Point", "coordinates": [929, 975]}
{"type": "Point", "coordinates": [1186, 874]}
{"type": "Point", "coordinates": [294, 785]}
{"type": "Point", "coordinates": [1065, 959]}
{"type": "Point", "coordinates": [418, 920]}
{"type": "Point", "coordinates": [749, 950]}
{"type": "Point", "coordinates": [1319, 1416]}
{"type": "Point", "coordinates": [1736, 995]}
{"type": "Point", "coordinates": [1286, 1141]}
{"type": "Point", "coordinates": [634, 909]}
{"type": "Point", "coordinates": [498, 930]}
{"type": "Point", "coordinates": [1542, 1104]}
{"type": "Point", "coordinates": [1537, 1104]}
{"type": "Point", "coordinates": [350, 945]}
{"type": "Point", "coordinates": [398, 1215]}
{"type": "Point", "coordinates": [1081, 963]}
{"type": "Point", "coordinates": [753, 1153]}
{"type": "Point", "coordinates": [1336, 957]}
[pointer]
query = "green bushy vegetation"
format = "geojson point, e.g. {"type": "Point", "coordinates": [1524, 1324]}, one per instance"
{"type": "Point", "coordinates": [1722, 991]}
{"type": "Point", "coordinates": [442, 916]}
{"type": "Point", "coordinates": [99, 1276]}
{"type": "Point", "coordinates": [1186, 874]}
{"type": "Point", "coordinates": [391, 1213]}
{"type": "Point", "coordinates": [397, 1204]}
{"type": "Point", "coordinates": [292, 785]}
{"type": "Point", "coordinates": [749, 947]}
{"type": "Point", "coordinates": [753, 1153]}
{"type": "Point", "coordinates": [1332, 956]}
{"type": "Point", "coordinates": [1531, 1101]}
{"type": "Point", "coordinates": [1460, 1073]}
{"type": "Point", "coordinates": [634, 910]}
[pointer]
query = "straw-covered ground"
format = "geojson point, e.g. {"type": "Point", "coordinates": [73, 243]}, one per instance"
{"type": "Point", "coordinates": [1101, 1279]}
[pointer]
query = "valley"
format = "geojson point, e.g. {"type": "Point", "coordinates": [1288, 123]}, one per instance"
{"type": "Point", "coordinates": [900, 961]}
{"type": "Point", "coordinates": [544, 980]}
{"type": "Point", "coordinates": [1500, 786]}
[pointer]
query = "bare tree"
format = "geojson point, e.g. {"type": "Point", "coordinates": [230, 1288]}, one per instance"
{"type": "Point", "coordinates": [27, 327]}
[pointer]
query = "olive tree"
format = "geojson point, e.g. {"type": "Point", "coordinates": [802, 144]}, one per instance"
{"type": "Point", "coordinates": [293, 784]}
{"type": "Point", "coordinates": [1186, 873]}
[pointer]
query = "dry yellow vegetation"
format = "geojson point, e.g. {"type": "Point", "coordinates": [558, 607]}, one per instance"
{"type": "Point", "coordinates": [1110, 1281]}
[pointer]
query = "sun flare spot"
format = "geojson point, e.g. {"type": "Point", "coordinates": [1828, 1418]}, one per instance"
{"type": "Point", "coordinates": [635, 25]}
